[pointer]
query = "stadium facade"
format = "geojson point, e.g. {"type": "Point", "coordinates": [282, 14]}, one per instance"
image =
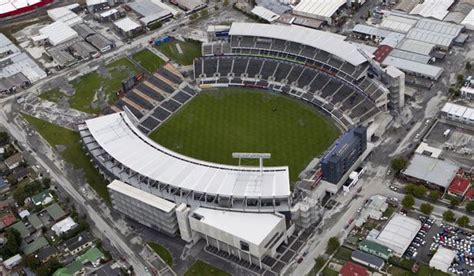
{"type": "Point", "coordinates": [195, 199]}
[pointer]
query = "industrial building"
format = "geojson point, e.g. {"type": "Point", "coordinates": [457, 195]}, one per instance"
{"type": "Point", "coordinates": [56, 33]}
{"type": "Point", "coordinates": [189, 6]}
{"type": "Point", "coordinates": [127, 27]}
{"type": "Point", "coordinates": [16, 7]}
{"type": "Point", "coordinates": [265, 14]}
{"type": "Point", "coordinates": [342, 155]}
{"type": "Point", "coordinates": [458, 113]}
{"type": "Point", "coordinates": [320, 9]}
{"type": "Point", "coordinates": [442, 259]}
{"type": "Point", "coordinates": [65, 15]}
{"type": "Point", "coordinates": [149, 12]}
{"type": "Point", "coordinates": [98, 5]}
{"type": "Point", "coordinates": [398, 233]}
{"type": "Point", "coordinates": [437, 9]}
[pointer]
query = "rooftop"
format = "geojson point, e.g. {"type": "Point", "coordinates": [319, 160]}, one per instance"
{"type": "Point", "coordinates": [352, 269]}
{"type": "Point", "coordinates": [36, 245]}
{"type": "Point", "coordinates": [431, 170]}
{"type": "Point", "coordinates": [367, 258]}
{"type": "Point", "coordinates": [58, 32]}
{"type": "Point", "coordinates": [399, 233]}
{"type": "Point", "coordinates": [433, 8]}
{"type": "Point", "coordinates": [322, 8]}
{"type": "Point", "coordinates": [326, 41]}
{"type": "Point", "coordinates": [55, 211]}
{"type": "Point", "coordinates": [7, 6]}
{"type": "Point", "coordinates": [442, 259]}
{"type": "Point", "coordinates": [459, 185]}
{"type": "Point", "coordinates": [126, 24]}
{"type": "Point", "coordinates": [238, 224]}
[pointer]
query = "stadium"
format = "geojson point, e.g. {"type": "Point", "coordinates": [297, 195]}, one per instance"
{"type": "Point", "coordinates": [317, 68]}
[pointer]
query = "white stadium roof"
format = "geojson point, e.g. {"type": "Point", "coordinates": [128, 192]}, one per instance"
{"type": "Point", "coordinates": [318, 8]}
{"type": "Point", "coordinates": [13, 5]}
{"type": "Point", "coordinates": [442, 259]}
{"type": "Point", "coordinates": [399, 233]}
{"type": "Point", "coordinates": [116, 134]}
{"type": "Point", "coordinates": [147, 198]}
{"type": "Point", "coordinates": [326, 41]}
{"type": "Point", "coordinates": [250, 227]}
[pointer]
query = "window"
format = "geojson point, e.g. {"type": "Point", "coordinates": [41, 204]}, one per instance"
{"type": "Point", "coordinates": [244, 246]}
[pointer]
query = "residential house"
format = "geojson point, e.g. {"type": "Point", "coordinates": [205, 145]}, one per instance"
{"type": "Point", "coordinates": [13, 161]}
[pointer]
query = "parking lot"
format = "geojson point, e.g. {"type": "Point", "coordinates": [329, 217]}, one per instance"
{"type": "Point", "coordinates": [434, 234]}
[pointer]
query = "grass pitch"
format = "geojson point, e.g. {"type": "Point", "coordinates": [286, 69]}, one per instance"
{"type": "Point", "coordinates": [148, 60]}
{"type": "Point", "coordinates": [191, 50]}
{"type": "Point", "coordinates": [218, 122]}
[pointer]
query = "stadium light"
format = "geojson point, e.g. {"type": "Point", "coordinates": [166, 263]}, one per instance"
{"type": "Point", "coordinates": [252, 155]}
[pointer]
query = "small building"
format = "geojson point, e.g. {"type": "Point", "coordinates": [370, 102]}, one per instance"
{"type": "Point", "coordinates": [12, 261]}
{"type": "Point", "coordinates": [100, 42]}
{"type": "Point", "coordinates": [375, 249]}
{"type": "Point", "coordinates": [458, 113]}
{"type": "Point", "coordinates": [150, 12]}
{"type": "Point", "coordinates": [442, 259]}
{"type": "Point", "coordinates": [110, 15]}
{"type": "Point", "coordinates": [23, 214]}
{"type": "Point", "coordinates": [13, 161]}
{"type": "Point", "coordinates": [127, 27]}
{"type": "Point", "coordinates": [42, 198]}
{"type": "Point", "coordinates": [55, 211]}
{"type": "Point", "coordinates": [34, 221]}
{"type": "Point", "coordinates": [189, 6]}
{"type": "Point", "coordinates": [98, 5]}
{"type": "Point", "coordinates": [46, 253]}
{"type": "Point", "coordinates": [4, 186]}
{"type": "Point", "coordinates": [427, 150]}
{"type": "Point", "coordinates": [36, 245]}
{"type": "Point", "coordinates": [58, 32]}
{"type": "Point", "coordinates": [459, 186]}
{"type": "Point", "coordinates": [20, 173]}
{"type": "Point", "coordinates": [6, 220]}
{"type": "Point", "coordinates": [398, 233]}
{"type": "Point", "coordinates": [93, 256]}
{"type": "Point", "coordinates": [78, 243]}
{"type": "Point", "coordinates": [352, 269]}
{"type": "Point", "coordinates": [22, 229]}
{"type": "Point", "coordinates": [467, 93]}
{"type": "Point", "coordinates": [74, 268]}
{"type": "Point", "coordinates": [265, 14]}
{"type": "Point", "coordinates": [367, 259]}
{"type": "Point", "coordinates": [64, 226]}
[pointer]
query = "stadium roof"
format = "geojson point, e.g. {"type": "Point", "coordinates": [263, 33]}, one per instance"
{"type": "Point", "coordinates": [431, 170]}
{"type": "Point", "coordinates": [318, 8]}
{"type": "Point", "coordinates": [126, 24]}
{"type": "Point", "coordinates": [326, 41]}
{"type": "Point", "coordinates": [13, 5]}
{"type": "Point", "coordinates": [265, 13]}
{"type": "Point", "coordinates": [117, 135]}
{"type": "Point", "coordinates": [433, 8]}
{"type": "Point", "coordinates": [152, 200]}
{"type": "Point", "coordinates": [413, 67]}
{"type": "Point", "coordinates": [442, 259]}
{"type": "Point", "coordinates": [251, 227]}
{"type": "Point", "coordinates": [399, 233]}
{"type": "Point", "coordinates": [58, 32]}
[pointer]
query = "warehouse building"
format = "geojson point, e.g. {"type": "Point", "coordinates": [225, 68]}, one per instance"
{"type": "Point", "coordinates": [343, 154]}
{"type": "Point", "coordinates": [127, 27]}
{"type": "Point", "coordinates": [458, 113]}
{"type": "Point", "coordinates": [414, 68]}
{"type": "Point", "coordinates": [442, 259]}
{"type": "Point", "coordinates": [150, 12]}
{"type": "Point", "coordinates": [57, 33]}
{"type": "Point", "coordinates": [265, 14]}
{"type": "Point", "coordinates": [399, 233]}
{"type": "Point", "coordinates": [143, 207]}
{"type": "Point", "coordinates": [468, 21]}
{"type": "Point", "coordinates": [189, 6]}
{"type": "Point", "coordinates": [65, 15]}
{"type": "Point", "coordinates": [437, 9]}
{"type": "Point", "coordinates": [430, 171]}
{"type": "Point", "coordinates": [321, 9]}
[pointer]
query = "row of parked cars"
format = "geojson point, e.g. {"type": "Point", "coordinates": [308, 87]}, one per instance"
{"type": "Point", "coordinates": [419, 239]}
{"type": "Point", "coordinates": [459, 240]}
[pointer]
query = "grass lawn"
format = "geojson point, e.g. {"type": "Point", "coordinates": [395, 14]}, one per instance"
{"type": "Point", "coordinates": [329, 272]}
{"type": "Point", "coordinates": [191, 50]}
{"type": "Point", "coordinates": [72, 153]}
{"type": "Point", "coordinates": [162, 252]}
{"type": "Point", "coordinates": [218, 122]}
{"type": "Point", "coordinates": [149, 60]}
{"type": "Point", "coordinates": [343, 254]}
{"type": "Point", "coordinates": [428, 271]}
{"type": "Point", "coordinates": [87, 85]}
{"type": "Point", "coordinates": [200, 268]}
{"type": "Point", "coordinates": [398, 271]}
{"type": "Point", "coordinates": [388, 213]}
{"type": "Point", "coordinates": [53, 95]}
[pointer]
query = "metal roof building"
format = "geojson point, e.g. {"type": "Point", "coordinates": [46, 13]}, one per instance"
{"type": "Point", "coordinates": [399, 233]}
{"type": "Point", "coordinates": [431, 170]}
{"type": "Point", "coordinates": [414, 68]}
{"type": "Point", "coordinates": [149, 11]}
{"type": "Point", "coordinates": [433, 8]}
{"type": "Point", "coordinates": [116, 136]}
{"type": "Point", "coordinates": [398, 22]}
{"type": "Point", "coordinates": [318, 9]}
{"type": "Point", "coordinates": [367, 259]}
{"type": "Point", "coordinates": [416, 46]}
{"type": "Point", "coordinates": [265, 13]}
{"type": "Point", "coordinates": [65, 15]}
{"type": "Point", "coordinates": [442, 259]}
{"type": "Point", "coordinates": [22, 63]}
{"type": "Point", "coordinates": [468, 21]}
{"type": "Point", "coordinates": [458, 113]}
{"type": "Point", "coordinates": [58, 32]}
{"type": "Point", "coordinates": [126, 24]}
{"type": "Point", "coordinates": [410, 56]}
{"type": "Point", "coordinates": [326, 41]}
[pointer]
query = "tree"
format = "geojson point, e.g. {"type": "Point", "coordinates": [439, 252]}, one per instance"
{"type": "Point", "coordinates": [12, 246]}
{"type": "Point", "coordinates": [463, 221]}
{"type": "Point", "coordinates": [426, 208]}
{"type": "Point", "coordinates": [225, 3]}
{"type": "Point", "coordinates": [333, 245]}
{"type": "Point", "coordinates": [31, 262]}
{"type": "Point", "coordinates": [454, 201]}
{"type": "Point", "coordinates": [448, 216]}
{"type": "Point", "coordinates": [399, 163]}
{"type": "Point", "coordinates": [468, 66]}
{"type": "Point", "coordinates": [470, 207]}
{"type": "Point", "coordinates": [204, 13]}
{"type": "Point", "coordinates": [434, 195]}
{"type": "Point", "coordinates": [49, 268]}
{"type": "Point", "coordinates": [320, 262]}
{"type": "Point", "coordinates": [3, 138]}
{"type": "Point", "coordinates": [419, 191]}
{"type": "Point", "coordinates": [408, 202]}
{"type": "Point", "coordinates": [410, 189]}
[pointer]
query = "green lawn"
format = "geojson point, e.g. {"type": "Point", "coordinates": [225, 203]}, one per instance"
{"type": "Point", "coordinates": [53, 95]}
{"type": "Point", "coordinates": [329, 272]}
{"type": "Point", "coordinates": [191, 50]}
{"type": "Point", "coordinates": [87, 85]}
{"type": "Point", "coordinates": [148, 60]}
{"type": "Point", "coordinates": [218, 122]}
{"type": "Point", "coordinates": [72, 153]}
{"type": "Point", "coordinates": [343, 254]}
{"type": "Point", "coordinates": [388, 213]}
{"type": "Point", "coordinates": [200, 268]}
{"type": "Point", "coordinates": [162, 252]}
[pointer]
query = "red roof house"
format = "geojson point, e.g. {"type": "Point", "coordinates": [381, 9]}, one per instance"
{"type": "Point", "coordinates": [7, 220]}
{"type": "Point", "coordinates": [459, 186]}
{"type": "Point", "coordinates": [469, 194]}
{"type": "Point", "coordinates": [352, 269]}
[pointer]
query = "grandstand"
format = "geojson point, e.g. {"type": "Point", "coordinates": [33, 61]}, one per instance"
{"type": "Point", "coordinates": [318, 67]}
{"type": "Point", "coordinates": [121, 151]}
{"type": "Point", "coordinates": [154, 99]}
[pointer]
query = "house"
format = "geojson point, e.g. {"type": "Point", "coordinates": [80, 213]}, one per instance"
{"type": "Point", "coordinates": [20, 173]}
{"type": "Point", "coordinates": [367, 259]}
{"type": "Point", "coordinates": [6, 220]}
{"type": "Point", "coordinates": [12, 262]}
{"type": "Point", "coordinates": [23, 214]}
{"type": "Point", "coordinates": [469, 194]}
{"type": "Point", "coordinates": [459, 186]}
{"type": "Point", "coordinates": [375, 249]}
{"type": "Point", "coordinates": [78, 243]}
{"type": "Point", "coordinates": [46, 253]}
{"type": "Point", "coordinates": [93, 256]}
{"type": "Point", "coordinates": [56, 212]}
{"type": "Point", "coordinates": [352, 269]}
{"type": "Point", "coordinates": [4, 186]}
{"type": "Point", "coordinates": [35, 221]}
{"type": "Point", "coordinates": [36, 245]}
{"type": "Point", "coordinates": [64, 226]}
{"type": "Point", "coordinates": [22, 229]}
{"type": "Point", "coordinates": [13, 161]}
{"type": "Point", "coordinates": [42, 198]}
{"type": "Point", "coordinates": [74, 268]}
{"type": "Point", "coordinates": [108, 270]}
